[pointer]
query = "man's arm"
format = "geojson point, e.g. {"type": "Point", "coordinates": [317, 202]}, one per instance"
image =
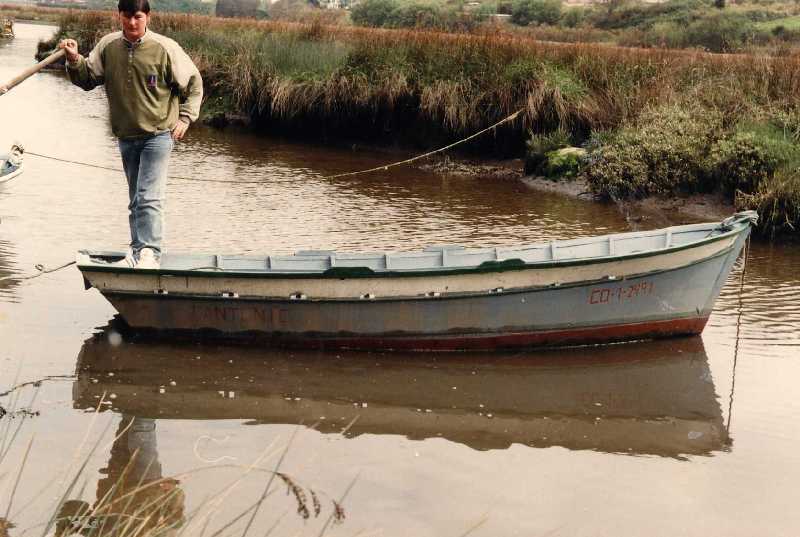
{"type": "Point", "coordinates": [189, 83]}
{"type": "Point", "coordinates": [83, 72]}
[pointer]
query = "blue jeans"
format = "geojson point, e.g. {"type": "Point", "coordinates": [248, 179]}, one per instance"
{"type": "Point", "coordinates": [145, 161]}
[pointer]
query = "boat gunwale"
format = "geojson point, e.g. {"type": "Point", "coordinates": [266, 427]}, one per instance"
{"type": "Point", "coordinates": [487, 267]}
{"type": "Point", "coordinates": [405, 298]}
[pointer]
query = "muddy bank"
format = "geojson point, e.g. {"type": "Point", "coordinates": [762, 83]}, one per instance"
{"type": "Point", "coordinates": [650, 212]}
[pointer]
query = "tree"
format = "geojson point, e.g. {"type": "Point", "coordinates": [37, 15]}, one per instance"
{"type": "Point", "coordinates": [375, 13]}
{"type": "Point", "coordinates": [525, 12]}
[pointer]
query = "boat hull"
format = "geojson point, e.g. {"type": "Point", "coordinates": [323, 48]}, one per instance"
{"type": "Point", "coordinates": [636, 297]}
{"type": "Point", "coordinates": [661, 304]}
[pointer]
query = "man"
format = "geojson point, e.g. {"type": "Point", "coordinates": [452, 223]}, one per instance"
{"type": "Point", "coordinates": [154, 93]}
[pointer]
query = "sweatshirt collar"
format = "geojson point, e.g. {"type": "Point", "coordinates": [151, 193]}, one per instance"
{"type": "Point", "coordinates": [138, 41]}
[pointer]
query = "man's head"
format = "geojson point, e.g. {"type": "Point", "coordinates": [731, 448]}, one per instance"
{"type": "Point", "coordinates": [134, 15]}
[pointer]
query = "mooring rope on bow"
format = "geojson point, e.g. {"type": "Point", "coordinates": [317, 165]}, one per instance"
{"type": "Point", "coordinates": [336, 176]}
{"type": "Point", "coordinates": [42, 271]}
{"type": "Point", "coordinates": [736, 341]}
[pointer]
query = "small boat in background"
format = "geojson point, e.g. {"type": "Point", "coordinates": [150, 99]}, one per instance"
{"type": "Point", "coordinates": [638, 285]}
{"type": "Point", "coordinates": [11, 163]}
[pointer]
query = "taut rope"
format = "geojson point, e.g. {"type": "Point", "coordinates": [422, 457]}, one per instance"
{"type": "Point", "coordinates": [736, 341]}
{"type": "Point", "coordinates": [336, 176]}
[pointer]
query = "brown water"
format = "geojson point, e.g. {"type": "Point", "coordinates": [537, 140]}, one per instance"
{"type": "Point", "coordinates": [692, 437]}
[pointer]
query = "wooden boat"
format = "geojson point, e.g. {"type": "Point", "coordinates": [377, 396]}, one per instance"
{"type": "Point", "coordinates": [620, 287]}
{"type": "Point", "coordinates": [11, 164]}
{"type": "Point", "coordinates": [654, 398]}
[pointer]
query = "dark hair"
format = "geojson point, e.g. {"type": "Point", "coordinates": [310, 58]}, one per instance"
{"type": "Point", "coordinates": [132, 6]}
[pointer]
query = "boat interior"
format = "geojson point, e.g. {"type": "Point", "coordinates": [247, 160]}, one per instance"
{"type": "Point", "coordinates": [433, 258]}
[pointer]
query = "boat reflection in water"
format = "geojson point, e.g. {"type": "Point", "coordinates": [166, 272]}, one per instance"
{"type": "Point", "coordinates": [654, 398]}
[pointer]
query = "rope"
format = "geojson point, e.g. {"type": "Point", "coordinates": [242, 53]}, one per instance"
{"type": "Point", "coordinates": [430, 153]}
{"type": "Point", "coordinates": [36, 383]}
{"type": "Point", "coordinates": [336, 176]}
{"type": "Point", "coordinates": [111, 168]}
{"type": "Point", "coordinates": [42, 270]}
{"type": "Point", "coordinates": [736, 341]}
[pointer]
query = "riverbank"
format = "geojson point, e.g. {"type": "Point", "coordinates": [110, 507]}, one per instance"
{"type": "Point", "coordinates": [654, 122]}
{"type": "Point", "coordinates": [652, 212]}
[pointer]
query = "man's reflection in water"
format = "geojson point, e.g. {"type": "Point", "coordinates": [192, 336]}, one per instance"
{"type": "Point", "coordinates": [5, 525]}
{"type": "Point", "coordinates": [133, 499]}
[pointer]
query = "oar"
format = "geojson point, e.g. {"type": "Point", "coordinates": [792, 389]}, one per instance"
{"type": "Point", "coordinates": [5, 88]}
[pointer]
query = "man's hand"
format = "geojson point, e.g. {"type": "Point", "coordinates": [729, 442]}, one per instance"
{"type": "Point", "coordinates": [70, 47]}
{"type": "Point", "coordinates": [179, 130]}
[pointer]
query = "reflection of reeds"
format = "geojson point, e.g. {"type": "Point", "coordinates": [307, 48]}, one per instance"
{"type": "Point", "coordinates": [5, 525]}
{"type": "Point", "coordinates": [299, 495]}
{"type": "Point", "coordinates": [130, 504]}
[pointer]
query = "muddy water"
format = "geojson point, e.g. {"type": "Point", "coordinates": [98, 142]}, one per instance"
{"type": "Point", "coordinates": [691, 437]}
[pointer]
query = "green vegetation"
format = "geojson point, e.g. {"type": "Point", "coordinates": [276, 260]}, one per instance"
{"type": "Point", "coordinates": [685, 149]}
{"type": "Point", "coordinates": [540, 146]}
{"type": "Point", "coordinates": [525, 12]}
{"type": "Point", "coordinates": [655, 122]}
{"type": "Point", "coordinates": [398, 14]}
{"type": "Point", "coordinates": [663, 152]}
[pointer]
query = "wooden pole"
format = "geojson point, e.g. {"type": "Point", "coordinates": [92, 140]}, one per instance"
{"type": "Point", "coordinates": [5, 88]}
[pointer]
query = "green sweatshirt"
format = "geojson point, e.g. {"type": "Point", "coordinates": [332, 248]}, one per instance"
{"type": "Point", "coordinates": [150, 84]}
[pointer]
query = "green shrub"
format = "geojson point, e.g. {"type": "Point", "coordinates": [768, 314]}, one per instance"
{"type": "Point", "coordinates": [525, 12]}
{"type": "Point", "coordinates": [721, 32]}
{"type": "Point", "coordinates": [521, 71]}
{"type": "Point", "coordinates": [373, 12]}
{"type": "Point", "coordinates": [750, 156]}
{"type": "Point", "coordinates": [621, 14]}
{"type": "Point", "coordinates": [394, 14]}
{"type": "Point", "coordinates": [538, 147]}
{"type": "Point", "coordinates": [573, 17]}
{"type": "Point", "coordinates": [777, 201]}
{"type": "Point", "coordinates": [741, 163]}
{"type": "Point", "coordinates": [564, 163]}
{"type": "Point", "coordinates": [505, 7]}
{"type": "Point", "coordinates": [415, 16]}
{"type": "Point", "coordinates": [665, 152]}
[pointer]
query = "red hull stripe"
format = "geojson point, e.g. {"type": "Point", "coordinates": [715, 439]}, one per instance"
{"type": "Point", "coordinates": [552, 338]}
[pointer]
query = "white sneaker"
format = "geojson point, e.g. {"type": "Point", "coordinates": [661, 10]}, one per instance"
{"type": "Point", "coordinates": [127, 262]}
{"type": "Point", "coordinates": [147, 259]}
